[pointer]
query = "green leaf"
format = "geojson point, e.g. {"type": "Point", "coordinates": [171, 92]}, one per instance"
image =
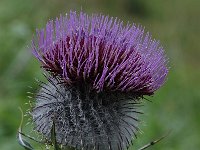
{"type": "Point", "coordinates": [53, 137]}
{"type": "Point", "coordinates": [20, 139]}
{"type": "Point", "coordinates": [24, 143]}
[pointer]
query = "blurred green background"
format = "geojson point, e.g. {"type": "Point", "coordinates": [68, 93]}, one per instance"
{"type": "Point", "coordinates": [175, 23]}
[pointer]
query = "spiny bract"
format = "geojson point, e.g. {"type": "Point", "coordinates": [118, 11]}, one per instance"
{"type": "Point", "coordinates": [99, 69]}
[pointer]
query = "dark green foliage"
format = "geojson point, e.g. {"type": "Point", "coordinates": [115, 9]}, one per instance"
{"type": "Point", "coordinates": [137, 7]}
{"type": "Point", "coordinates": [174, 22]}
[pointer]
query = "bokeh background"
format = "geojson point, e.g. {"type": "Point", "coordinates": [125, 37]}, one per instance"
{"type": "Point", "coordinates": [175, 23]}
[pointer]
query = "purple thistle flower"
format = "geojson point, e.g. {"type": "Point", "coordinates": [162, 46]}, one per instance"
{"type": "Point", "coordinates": [99, 69]}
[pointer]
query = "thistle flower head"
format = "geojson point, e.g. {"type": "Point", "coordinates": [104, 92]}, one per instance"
{"type": "Point", "coordinates": [99, 69]}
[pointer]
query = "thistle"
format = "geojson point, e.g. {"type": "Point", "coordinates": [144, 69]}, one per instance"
{"type": "Point", "coordinates": [98, 72]}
